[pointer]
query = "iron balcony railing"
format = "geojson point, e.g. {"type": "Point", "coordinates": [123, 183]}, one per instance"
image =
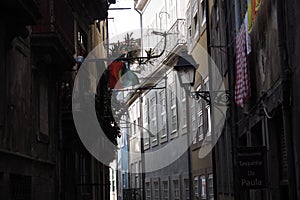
{"type": "Point", "coordinates": [176, 37]}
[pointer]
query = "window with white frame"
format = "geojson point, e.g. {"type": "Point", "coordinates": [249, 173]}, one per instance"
{"type": "Point", "coordinates": [163, 120]}
{"type": "Point", "coordinates": [156, 190]}
{"type": "Point", "coordinates": [203, 12]}
{"type": "Point", "coordinates": [165, 188]}
{"type": "Point", "coordinates": [137, 181]}
{"type": "Point", "coordinates": [200, 118]}
{"type": "Point", "coordinates": [134, 127]}
{"type": "Point", "coordinates": [194, 121]}
{"type": "Point", "coordinates": [195, 16]}
{"type": "Point", "coordinates": [176, 189]}
{"type": "Point", "coordinates": [210, 186]}
{"type": "Point", "coordinates": [189, 27]}
{"type": "Point", "coordinates": [153, 124]}
{"type": "Point", "coordinates": [184, 110]}
{"type": "Point", "coordinates": [148, 191]}
{"type": "Point", "coordinates": [203, 187]}
{"type": "Point", "coordinates": [196, 25]}
{"type": "Point", "coordinates": [200, 126]}
{"type": "Point", "coordinates": [173, 107]}
{"type": "Point", "coordinates": [196, 187]}
{"type": "Point", "coordinates": [146, 135]}
{"type": "Point", "coordinates": [207, 108]}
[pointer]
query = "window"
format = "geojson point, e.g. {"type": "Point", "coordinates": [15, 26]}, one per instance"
{"type": "Point", "coordinates": [165, 188]}
{"type": "Point", "coordinates": [134, 127]}
{"type": "Point", "coordinates": [210, 186]}
{"type": "Point", "coordinates": [196, 26]}
{"type": "Point", "coordinates": [189, 25]}
{"type": "Point", "coordinates": [173, 107]}
{"type": "Point", "coordinates": [82, 42]}
{"type": "Point", "coordinates": [156, 190]}
{"type": "Point", "coordinates": [153, 124]}
{"type": "Point", "coordinates": [132, 167]}
{"type": "Point", "coordinates": [184, 111]}
{"type": "Point", "coordinates": [123, 180]}
{"type": "Point", "coordinates": [176, 189]}
{"type": "Point", "coordinates": [137, 183]}
{"type": "Point", "coordinates": [145, 124]}
{"type": "Point", "coordinates": [200, 118]}
{"type": "Point", "coordinates": [113, 185]}
{"type": "Point", "coordinates": [207, 108]}
{"type": "Point", "coordinates": [200, 126]}
{"type": "Point", "coordinates": [148, 191]}
{"type": "Point", "coordinates": [203, 12]}
{"type": "Point", "coordinates": [163, 120]}
{"type": "Point", "coordinates": [203, 187]}
{"type": "Point", "coordinates": [196, 187]}
{"type": "Point", "coordinates": [186, 185]}
{"type": "Point", "coordinates": [194, 126]}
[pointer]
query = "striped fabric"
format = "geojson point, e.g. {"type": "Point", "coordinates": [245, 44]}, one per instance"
{"type": "Point", "coordinates": [242, 82]}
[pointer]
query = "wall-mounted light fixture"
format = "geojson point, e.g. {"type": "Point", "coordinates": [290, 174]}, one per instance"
{"type": "Point", "coordinates": [186, 68]}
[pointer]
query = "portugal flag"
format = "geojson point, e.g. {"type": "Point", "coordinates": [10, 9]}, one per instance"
{"type": "Point", "coordinates": [115, 72]}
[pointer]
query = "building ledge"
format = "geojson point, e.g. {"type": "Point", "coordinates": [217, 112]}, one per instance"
{"type": "Point", "coordinates": [52, 45]}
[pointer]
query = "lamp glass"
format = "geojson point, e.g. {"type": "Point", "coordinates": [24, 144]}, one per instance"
{"type": "Point", "coordinates": [186, 75]}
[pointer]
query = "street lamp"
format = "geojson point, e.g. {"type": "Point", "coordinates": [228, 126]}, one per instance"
{"type": "Point", "coordinates": [186, 68]}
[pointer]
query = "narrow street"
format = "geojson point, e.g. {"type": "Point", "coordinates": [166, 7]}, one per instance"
{"type": "Point", "coordinates": [149, 100]}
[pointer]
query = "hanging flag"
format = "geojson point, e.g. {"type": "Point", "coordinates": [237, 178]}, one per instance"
{"type": "Point", "coordinates": [115, 73]}
{"type": "Point", "coordinates": [120, 76]}
{"type": "Point", "coordinates": [248, 38]}
{"type": "Point", "coordinates": [242, 82]}
{"type": "Point", "coordinates": [249, 13]}
{"type": "Point", "coordinates": [257, 5]}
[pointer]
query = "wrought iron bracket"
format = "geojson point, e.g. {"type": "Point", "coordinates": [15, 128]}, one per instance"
{"type": "Point", "coordinates": [219, 98]}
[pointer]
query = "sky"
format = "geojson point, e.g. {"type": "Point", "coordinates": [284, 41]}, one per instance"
{"type": "Point", "coordinates": [123, 21]}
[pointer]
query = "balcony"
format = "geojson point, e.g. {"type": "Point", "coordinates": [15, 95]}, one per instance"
{"type": "Point", "coordinates": [176, 38]}
{"type": "Point", "coordinates": [54, 33]}
{"type": "Point", "coordinates": [90, 9]}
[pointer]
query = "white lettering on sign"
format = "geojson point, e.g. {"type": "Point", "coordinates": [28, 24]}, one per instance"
{"type": "Point", "coordinates": [249, 183]}
{"type": "Point", "coordinates": [248, 164]}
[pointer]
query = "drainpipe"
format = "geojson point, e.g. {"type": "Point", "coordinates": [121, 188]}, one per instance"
{"type": "Point", "coordinates": [210, 75]}
{"type": "Point", "coordinates": [286, 93]}
{"type": "Point", "coordinates": [189, 131]}
{"type": "Point", "coordinates": [141, 113]}
{"type": "Point", "coordinates": [232, 109]}
{"type": "Point", "coordinates": [141, 27]}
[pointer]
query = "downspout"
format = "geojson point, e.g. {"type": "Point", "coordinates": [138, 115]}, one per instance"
{"type": "Point", "coordinates": [286, 95]}
{"type": "Point", "coordinates": [210, 75]}
{"type": "Point", "coordinates": [141, 27]}
{"type": "Point", "coordinates": [141, 113]}
{"type": "Point", "coordinates": [188, 143]}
